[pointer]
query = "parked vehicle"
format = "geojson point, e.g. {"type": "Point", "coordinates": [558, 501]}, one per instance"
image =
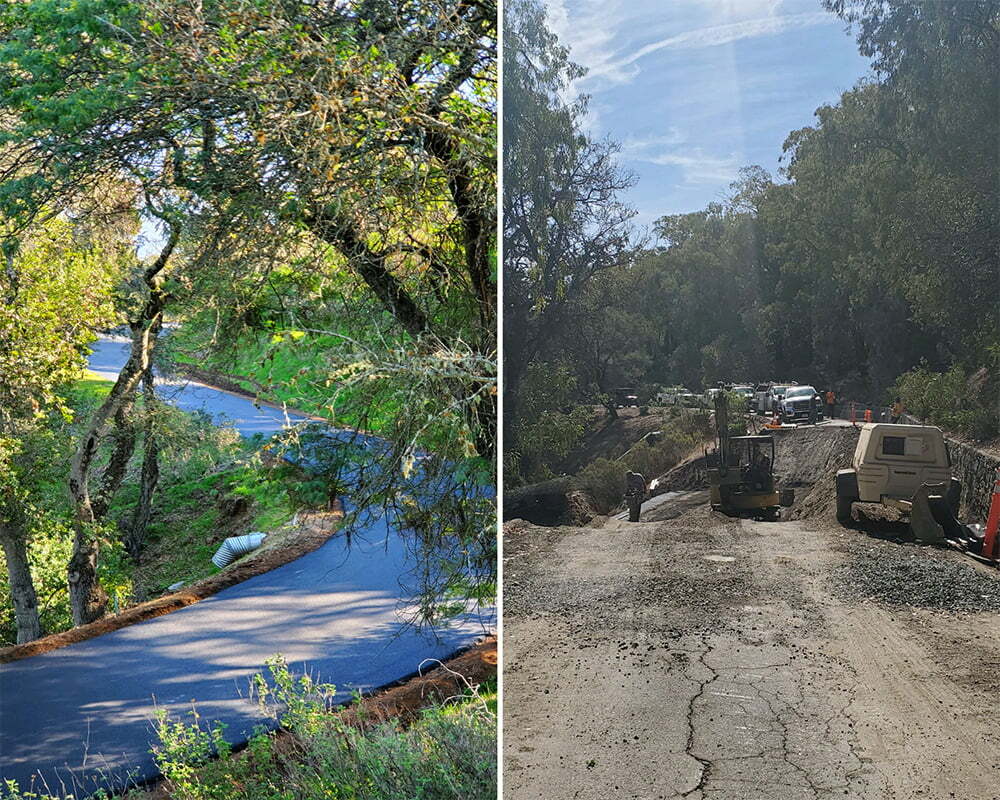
{"type": "Point", "coordinates": [625, 397]}
{"type": "Point", "coordinates": [760, 398]}
{"type": "Point", "coordinates": [746, 391]}
{"type": "Point", "coordinates": [798, 402]}
{"type": "Point", "coordinates": [669, 395]}
{"type": "Point", "coordinates": [690, 400]}
{"type": "Point", "coordinates": [765, 396]}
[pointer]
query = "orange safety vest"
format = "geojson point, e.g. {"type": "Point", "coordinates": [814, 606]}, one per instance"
{"type": "Point", "coordinates": [830, 398]}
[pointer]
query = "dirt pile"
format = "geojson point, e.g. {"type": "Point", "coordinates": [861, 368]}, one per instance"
{"type": "Point", "coordinates": [690, 474]}
{"type": "Point", "coordinates": [806, 459]}
{"type": "Point", "coordinates": [610, 438]}
{"type": "Point", "coordinates": [549, 503]}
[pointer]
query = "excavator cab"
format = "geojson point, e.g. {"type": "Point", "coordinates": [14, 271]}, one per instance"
{"type": "Point", "coordinates": [755, 459]}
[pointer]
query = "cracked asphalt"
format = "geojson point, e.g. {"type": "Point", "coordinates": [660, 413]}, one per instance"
{"type": "Point", "coordinates": [710, 658]}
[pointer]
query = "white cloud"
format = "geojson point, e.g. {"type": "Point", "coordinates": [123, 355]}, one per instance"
{"type": "Point", "coordinates": [711, 36]}
{"type": "Point", "coordinates": [595, 30]}
{"type": "Point", "coordinates": [639, 145]}
{"type": "Point", "coordinates": [590, 33]}
{"type": "Point", "coordinates": [697, 167]}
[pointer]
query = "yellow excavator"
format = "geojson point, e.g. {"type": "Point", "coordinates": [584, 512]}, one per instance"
{"type": "Point", "coordinates": [741, 472]}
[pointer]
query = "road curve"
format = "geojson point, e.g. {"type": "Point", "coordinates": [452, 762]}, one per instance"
{"type": "Point", "coordinates": [79, 718]}
{"type": "Point", "coordinates": [224, 408]}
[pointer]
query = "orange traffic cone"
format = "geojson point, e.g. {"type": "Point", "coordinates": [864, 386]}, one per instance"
{"type": "Point", "coordinates": [991, 544]}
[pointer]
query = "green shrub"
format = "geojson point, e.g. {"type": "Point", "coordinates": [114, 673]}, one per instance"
{"type": "Point", "coordinates": [604, 481]}
{"type": "Point", "coordinates": [448, 753]}
{"type": "Point", "coordinates": [955, 400]}
{"type": "Point", "coordinates": [654, 459]}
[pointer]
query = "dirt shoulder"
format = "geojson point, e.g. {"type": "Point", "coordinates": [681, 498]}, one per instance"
{"type": "Point", "coordinates": [311, 530]}
{"type": "Point", "coordinates": [708, 657]}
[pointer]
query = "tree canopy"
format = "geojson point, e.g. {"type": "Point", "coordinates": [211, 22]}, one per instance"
{"type": "Point", "coordinates": [868, 265]}
{"type": "Point", "coordinates": [303, 173]}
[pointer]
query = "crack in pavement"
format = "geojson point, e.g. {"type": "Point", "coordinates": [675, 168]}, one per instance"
{"type": "Point", "coordinates": [706, 764]}
{"type": "Point", "coordinates": [783, 715]}
{"type": "Point", "coordinates": [746, 680]}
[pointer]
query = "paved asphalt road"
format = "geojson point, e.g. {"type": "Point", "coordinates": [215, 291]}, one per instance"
{"type": "Point", "coordinates": [223, 407]}
{"type": "Point", "coordinates": [79, 717]}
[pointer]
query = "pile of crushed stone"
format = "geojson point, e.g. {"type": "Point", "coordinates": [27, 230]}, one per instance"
{"type": "Point", "coordinates": [909, 575]}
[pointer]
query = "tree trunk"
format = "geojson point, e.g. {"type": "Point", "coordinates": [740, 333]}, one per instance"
{"type": "Point", "coordinates": [114, 472]}
{"type": "Point", "coordinates": [135, 536]}
{"type": "Point", "coordinates": [371, 265]}
{"type": "Point", "coordinates": [22, 589]}
{"type": "Point", "coordinates": [88, 600]}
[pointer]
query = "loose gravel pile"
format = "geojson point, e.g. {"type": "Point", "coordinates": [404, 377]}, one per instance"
{"type": "Point", "coordinates": [900, 575]}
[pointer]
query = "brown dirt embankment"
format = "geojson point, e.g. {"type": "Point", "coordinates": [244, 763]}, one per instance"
{"type": "Point", "coordinates": [312, 531]}
{"type": "Point", "coordinates": [806, 459]}
{"type": "Point", "coordinates": [610, 438]}
{"type": "Point", "coordinates": [548, 503]}
{"type": "Point", "coordinates": [568, 501]}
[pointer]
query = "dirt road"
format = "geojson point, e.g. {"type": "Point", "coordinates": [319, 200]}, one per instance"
{"type": "Point", "coordinates": [705, 657]}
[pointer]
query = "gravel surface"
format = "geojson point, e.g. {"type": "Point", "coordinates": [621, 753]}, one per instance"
{"type": "Point", "coordinates": [908, 575]}
{"type": "Point", "coordinates": [706, 658]}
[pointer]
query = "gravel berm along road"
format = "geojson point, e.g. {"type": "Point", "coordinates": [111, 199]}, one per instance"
{"type": "Point", "coordinates": [79, 718]}
{"type": "Point", "coordinates": [692, 655]}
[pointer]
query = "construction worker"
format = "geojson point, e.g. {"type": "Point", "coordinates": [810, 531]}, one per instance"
{"type": "Point", "coordinates": [831, 402]}
{"type": "Point", "coordinates": [898, 409]}
{"type": "Point", "coordinates": [635, 493]}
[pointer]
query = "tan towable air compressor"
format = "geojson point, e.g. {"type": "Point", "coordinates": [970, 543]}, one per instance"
{"type": "Point", "coordinates": [902, 473]}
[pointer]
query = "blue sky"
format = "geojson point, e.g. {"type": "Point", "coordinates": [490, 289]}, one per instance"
{"type": "Point", "coordinates": [695, 89]}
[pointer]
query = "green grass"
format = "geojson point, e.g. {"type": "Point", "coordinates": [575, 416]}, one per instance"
{"type": "Point", "coordinates": [190, 522]}
{"type": "Point", "coordinates": [292, 371]}
{"type": "Point", "coordinates": [447, 753]}
{"type": "Point", "coordinates": [89, 390]}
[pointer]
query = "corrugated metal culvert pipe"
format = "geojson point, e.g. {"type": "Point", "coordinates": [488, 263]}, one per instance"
{"type": "Point", "coordinates": [235, 546]}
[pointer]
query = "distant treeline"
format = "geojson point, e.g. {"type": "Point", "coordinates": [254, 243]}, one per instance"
{"type": "Point", "coordinates": [871, 265]}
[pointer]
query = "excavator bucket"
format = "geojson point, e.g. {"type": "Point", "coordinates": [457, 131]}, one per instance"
{"type": "Point", "coordinates": [932, 520]}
